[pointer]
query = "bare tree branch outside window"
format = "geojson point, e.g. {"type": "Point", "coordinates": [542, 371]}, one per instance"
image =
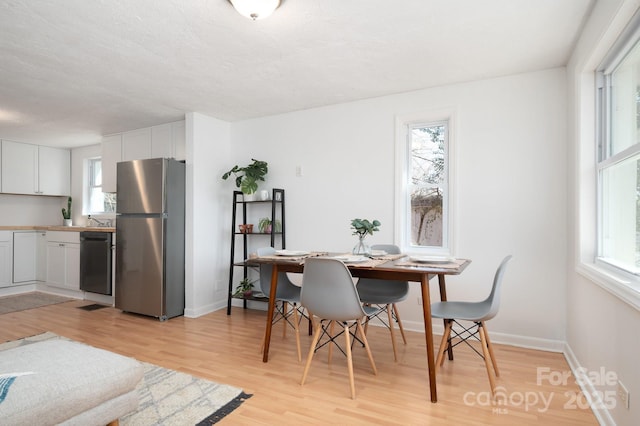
{"type": "Point", "coordinates": [428, 174]}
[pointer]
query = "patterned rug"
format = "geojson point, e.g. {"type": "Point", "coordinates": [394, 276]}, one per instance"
{"type": "Point", "coordinates": [169, 397]}
{"type": "Point", "coordinates": [20, 302]}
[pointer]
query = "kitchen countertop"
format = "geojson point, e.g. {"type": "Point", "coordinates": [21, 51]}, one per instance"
{"type": "Point", "coordinates": [59, 228]}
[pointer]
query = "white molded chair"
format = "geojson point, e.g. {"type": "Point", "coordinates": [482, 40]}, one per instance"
{"type": "Point", "coordinates": [385, 294]}
{"type": "Point", "coordinates": [478, 313]}
{"type": "Point", "coordinates": [329, 294]}
{"type": "Point", "coordinates": [286, 293]}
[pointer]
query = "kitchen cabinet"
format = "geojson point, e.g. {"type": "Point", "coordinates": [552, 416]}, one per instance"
{"type": "Point", "coordinates": [111, 156]}
{"type": "Point", "coordinates": [162, 141]}
{"type": "Point", "coordinates": [41, 256]}
{"type": "Point", "coordinates": [136, 145]}
{"type": "Point", "coordinates": [63, 259]}
{"type": "Point", "coordinates": [24, 256]}
{"type": "Point", "coordinates": [54, 171]}
{"type": "Point", "coordinates": [168, 141]}
{"type": "Point", "coordinates": [6, 258]}
{"type": "Point", "coordinates": [32, 169]}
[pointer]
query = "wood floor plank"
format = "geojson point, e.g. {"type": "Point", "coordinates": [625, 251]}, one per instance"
{"type": "Point", "coordinates": [226, 349]}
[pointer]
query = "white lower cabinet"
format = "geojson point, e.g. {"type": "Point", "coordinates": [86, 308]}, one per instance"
{"type": "Point", "coordinates": [41, 256]}
{"type": "Point", "coordinates": [63, 259]}
{"type": "Point", "coordinates": [24, 256]}
{"type": "Point", "coordinates": [6, 258]}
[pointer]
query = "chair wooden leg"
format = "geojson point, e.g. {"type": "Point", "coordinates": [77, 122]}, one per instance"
{"type": "Point", "coordinates": [395, 312]}
{"type": "Point", "coordinates": [352, 383]}
{"type": "Point", "coordinates": [487, 357]}
{"type": "Point", "coordinates": [366, 346]}
{"type": "Point", "coordinates": [391, 330]}
{"type": "Point", "coordinates": [444, 343]}
{"type": "Point", "coordinates": [493, 357]}
{"type": "Point", "coordinates": [296, 327]}
{"type": "Point", "coordinates": [312, 350]}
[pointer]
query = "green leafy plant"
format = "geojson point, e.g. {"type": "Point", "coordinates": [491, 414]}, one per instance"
{"type": "Point", "coordinates": [247, 177]}
{"type": "Point", "coordinates": [362, 227]}
{"type": "Point", "coordinates": [265, 225]}
{"type": "Point", "coordinates": [66, 213]}
{"type": "Point", "coordinates": [244, 287]}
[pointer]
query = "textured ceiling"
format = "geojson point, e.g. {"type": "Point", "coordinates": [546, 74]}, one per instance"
{"type": "Point", "coordinates": [72, 70]}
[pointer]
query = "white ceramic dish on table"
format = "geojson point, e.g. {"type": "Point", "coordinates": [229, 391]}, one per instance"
{"type": "Point", "coordinates": [432, 259]}
{"type": "Point", "coordinates": [291, 252]}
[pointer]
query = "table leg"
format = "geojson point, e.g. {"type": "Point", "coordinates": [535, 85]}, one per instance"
{"type": "Point", "coordinates": [443, 297]}
{"type": "Point", "coordinates": [272, 303]}
{"type": "Point", "coordinates": [428, 333]}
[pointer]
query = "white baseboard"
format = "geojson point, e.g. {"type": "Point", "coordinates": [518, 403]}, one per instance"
{"type": "Point", "coordinates": [602, 414]}
{"type": "Point", "coordinates": [500, 338]}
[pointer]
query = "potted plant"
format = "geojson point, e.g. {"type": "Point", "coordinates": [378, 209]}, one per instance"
{"type": "Point", "coordinates": [362, 228]}
{"type": "Point", "coordinates": [247, 177]}
{"type": "Point", "coordinates": [265, 225]}
{"type": "Point", "coordinates": [244, 288]}
{"type": "Point", "coordinates": [66, 213]}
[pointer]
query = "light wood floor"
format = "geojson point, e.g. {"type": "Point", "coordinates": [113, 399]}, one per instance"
{"type": "Point", "coordinates": [226, 349]}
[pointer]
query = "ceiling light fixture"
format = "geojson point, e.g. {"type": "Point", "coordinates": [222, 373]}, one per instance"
{"type": "Point", "coordinates": [255, 9]}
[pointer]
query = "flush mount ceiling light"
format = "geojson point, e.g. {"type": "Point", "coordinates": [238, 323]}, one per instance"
{"type": "Point", "coordinates": [255, 9]}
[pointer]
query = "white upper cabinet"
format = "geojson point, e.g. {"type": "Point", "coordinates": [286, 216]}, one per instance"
{"type": "Point", "coordinates": [168, 141]}
{"type": "Point", "coordinates": [33, 169]}
{"type": "Point", "coordinates": [111, 155]}
{"type": "Point", "coordinates": [19, 168]}
{"type": "Point", "coordinates": [54, 171]}
{"type": "Point", "coordinates": [136, 145]}
{"type": "Point", "coordinates": [162, 141]}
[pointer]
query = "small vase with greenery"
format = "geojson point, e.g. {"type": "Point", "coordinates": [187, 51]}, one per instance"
{"type": "Point", "coordinates": [362, 228]}
{"type": "Point", "coordinates": [247, 177]}
{"type": "Point", "coordinates": [244, 288]}
{"type": "Point", "coordinates": [66, 213]}
{"type": "Point", "coordinates": [265, 225]}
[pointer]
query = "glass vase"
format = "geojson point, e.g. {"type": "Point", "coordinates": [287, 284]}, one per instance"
{"type": "Point", "coordinates": [362, 248]}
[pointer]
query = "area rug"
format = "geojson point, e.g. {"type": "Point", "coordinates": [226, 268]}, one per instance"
{"type": "Point", "coordinates": [20, 302]}
{"type": "Point", "coordinates": [169, 397]}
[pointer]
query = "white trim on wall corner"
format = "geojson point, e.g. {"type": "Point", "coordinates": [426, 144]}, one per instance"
{"type": "Point", "coordinates": [597, 406]}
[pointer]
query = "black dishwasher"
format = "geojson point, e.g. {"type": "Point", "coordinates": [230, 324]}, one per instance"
{"type": "Point", "coordinates": [95, 262]}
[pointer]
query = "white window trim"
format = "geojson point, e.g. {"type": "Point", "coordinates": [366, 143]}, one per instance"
{"type": "Point", "coordinates": [401, 237]}
{"type": "Point", "coordinates": [621, 285]}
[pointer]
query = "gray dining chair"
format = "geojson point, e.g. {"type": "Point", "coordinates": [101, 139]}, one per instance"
{"type": "Point", "coordinates": [385, 294]}
{"type": "Point", "coordinates": [287, 299]}
{"type": "Point", "coordinates": [330, 296]}
{"type": "Point", "coordinates": [476, 312]}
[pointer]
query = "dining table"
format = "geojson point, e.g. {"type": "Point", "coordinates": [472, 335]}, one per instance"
{"type": "Point", "coordinates": [414, 269]}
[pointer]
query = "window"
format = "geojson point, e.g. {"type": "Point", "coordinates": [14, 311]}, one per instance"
{"type": "Point", "coordinates": [98, 201]}
{"type": "Point", "coordinates": [423, 186]}
{"type": "Point", "coordinates": [618, 157]}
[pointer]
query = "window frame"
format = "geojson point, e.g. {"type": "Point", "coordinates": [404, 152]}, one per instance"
{"type": "Point", "coordinates": [88, 184]}
{"type": "Point", "coordinates": [615, 281]}
{"type": "Point", "coordinates": [404, 124]}
{"type": "Point", "coordinates": [604, 159]}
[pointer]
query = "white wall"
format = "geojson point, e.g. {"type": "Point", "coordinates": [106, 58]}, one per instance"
{"type": "Point", "coordinates": [511, 194]}
{"type": "Point", "coordinates": [207, 213]}
{"type": "Point", "coordinates": [30, 210]}
{"type": "Point", "coordinates": [602, 330]}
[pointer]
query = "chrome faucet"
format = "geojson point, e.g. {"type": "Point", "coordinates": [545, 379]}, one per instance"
{"type": "Point", "coordinates": [99, 223]}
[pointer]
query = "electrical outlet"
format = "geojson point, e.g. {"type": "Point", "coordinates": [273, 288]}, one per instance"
{"type": "Point", "coordinates": [299, 171]}
{"type": "Point", "coordinates": [623, 394]}
{"type": "Point", "coordinates": [420, 301]}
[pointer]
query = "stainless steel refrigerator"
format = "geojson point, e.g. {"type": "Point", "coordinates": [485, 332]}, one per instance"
{"type": "Point", "coordinates": [150, 243]}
